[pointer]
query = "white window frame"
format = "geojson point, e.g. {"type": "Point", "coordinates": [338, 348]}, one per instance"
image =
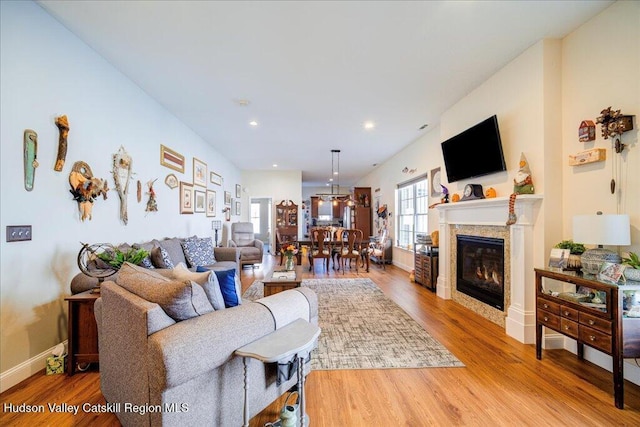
{"type": "Point", "coordinates": [412, 211]}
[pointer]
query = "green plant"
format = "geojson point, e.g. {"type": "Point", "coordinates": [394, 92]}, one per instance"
{"type": "Point", "coordinates": [117, 257]}
{"type": "Point", "coordinates": [574, 248]}
{"type": "Point", "coordinates": [633, 260]}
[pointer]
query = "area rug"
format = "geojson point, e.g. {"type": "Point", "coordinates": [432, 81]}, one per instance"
{"type": "Point", "coordinates": [363, 329]}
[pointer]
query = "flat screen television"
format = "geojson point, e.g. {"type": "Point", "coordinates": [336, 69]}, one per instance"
{"type": "Point", "coordinates": [475, 152]}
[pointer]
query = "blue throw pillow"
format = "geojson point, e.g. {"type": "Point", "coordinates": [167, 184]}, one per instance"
{"type": "Point", "coordinates": [228, 285]}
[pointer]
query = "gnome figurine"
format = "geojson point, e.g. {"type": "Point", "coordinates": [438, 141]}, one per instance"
{"type": "Point", "coordinates": [522, 184]}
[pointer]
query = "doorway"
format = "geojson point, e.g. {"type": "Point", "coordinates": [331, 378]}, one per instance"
{"type": "Point", "coordinates": [261, 220]}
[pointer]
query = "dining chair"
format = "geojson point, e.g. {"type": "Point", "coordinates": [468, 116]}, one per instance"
{"type": "Point", "coordinates": [320, 246]}
{"type": "Point", "coordinates": [351, 247]}
{"type": "Point", "coordinates": [336, 246]}
{"type": "Point", "coordinates": [378, 249]}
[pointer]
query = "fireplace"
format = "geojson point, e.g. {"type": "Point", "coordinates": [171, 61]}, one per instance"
{"type": "Point", "coordinates": [480, 269]}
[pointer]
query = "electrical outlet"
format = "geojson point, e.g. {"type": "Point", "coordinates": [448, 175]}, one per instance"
{"type": "Point", "coordinates": [18, 233]}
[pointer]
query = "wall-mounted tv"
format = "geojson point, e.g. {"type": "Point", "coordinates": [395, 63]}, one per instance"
{"type": "Point", "coordinates": [475, 152]}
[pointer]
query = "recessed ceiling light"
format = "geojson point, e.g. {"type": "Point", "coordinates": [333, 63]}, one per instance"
{"type": "Point", "coordinates": [369, 125]}
{"type": "Point", "coordinates": [274, 165]}
{"type": "Point", "coordinates": [330, 179]}
{"type": "Point", "coordinates": [242, 102]}
{"type": "Point", "coordinates": [253, 123]}
{"type": "Point", "coordinates": [336, 173]}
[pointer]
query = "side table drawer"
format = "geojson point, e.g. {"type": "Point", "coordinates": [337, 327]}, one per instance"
{"type": "Point", "coordinates": [569, 313]}
{"type": "Point", "coordinates": [595, 322]}
{"type": "Point", "coordinates": [569, 328]}
{"type": "Point", "coordinates": [548, 306]}
{"type": "Point", "coordinates": [548, 319]}
{"type": "Point", "coordinates": [595, 338]}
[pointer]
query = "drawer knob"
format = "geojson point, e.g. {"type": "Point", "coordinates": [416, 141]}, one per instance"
{"type": "Point", "coordinates": [566, 313]}
{"type": "Point", "coordinates": [592, 322]}
{"type": "Point", "coordinates": [566, 327]}
{"type": "Point", "coordinates": [545, 305]}
{"type": "Point", "coordinates": [592, 338]}
{"type": "Point", "coordinates": [545, 318]}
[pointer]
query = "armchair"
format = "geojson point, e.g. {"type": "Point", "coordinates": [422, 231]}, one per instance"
{"type": "Point", "coordinates": [242, 237]}
{"type": "Point", "coordinates": [380, 250]}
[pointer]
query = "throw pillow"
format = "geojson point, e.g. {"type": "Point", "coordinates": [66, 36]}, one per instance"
{"type": "Point", "coordinates": [199, 251]}
{"type": "Point", "coordinates": [208, 280]}
{"type": "Point", "coordinates": [161, 258]}
{"type": "Point", "coordinates": [181, 300]}
{"type": "Point", "coordinates": [230, 285]}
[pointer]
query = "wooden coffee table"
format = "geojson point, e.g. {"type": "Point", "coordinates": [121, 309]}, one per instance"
{"type": "Point", "coordinates": [274, 285]}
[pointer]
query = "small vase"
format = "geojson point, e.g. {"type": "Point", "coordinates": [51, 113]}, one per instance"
{"type": "Point", "coordinates": [289, 265]}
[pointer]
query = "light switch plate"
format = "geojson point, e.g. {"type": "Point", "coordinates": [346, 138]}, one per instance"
{"type": "Point", "coordinates": [18, 233]}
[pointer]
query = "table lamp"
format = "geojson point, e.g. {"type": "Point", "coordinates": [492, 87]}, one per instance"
{"type": "Point", "coordinates": [216, 225]}
{"type": "Point", "coordinates": [599, 229]}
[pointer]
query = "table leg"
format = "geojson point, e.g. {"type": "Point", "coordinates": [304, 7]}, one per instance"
{"type": "Point", "coordinates": [301, 388]}
{"type": "Point", "coordinates": [245, 362]}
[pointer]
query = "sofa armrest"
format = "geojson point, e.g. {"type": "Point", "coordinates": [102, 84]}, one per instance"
{"type": "Point", "coordinates": [227, 254]}
{"type": "Point", "coordinates": [198, 345]}
{"type": "Point", "coordinates": [259, 244]}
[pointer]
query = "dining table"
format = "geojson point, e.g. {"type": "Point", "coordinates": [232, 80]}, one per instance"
{"type": "Point", "coordinates": [335, 255]}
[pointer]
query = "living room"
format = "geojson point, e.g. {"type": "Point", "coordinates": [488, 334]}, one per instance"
{"type": "Point", "coordinates": [540, 97]}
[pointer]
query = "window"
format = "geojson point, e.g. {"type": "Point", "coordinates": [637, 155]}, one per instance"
{"type": "Point", "coordinates": [412, 205]}
{"type": "Point", "coordinates": [255, 217]}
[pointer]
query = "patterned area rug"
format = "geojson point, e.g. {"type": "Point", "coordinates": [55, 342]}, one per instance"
{"type": "Point", "coordinates": [363, 329]}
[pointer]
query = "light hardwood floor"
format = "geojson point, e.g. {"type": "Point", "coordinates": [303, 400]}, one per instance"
{"type": "Point", "coordinates": [501, 384]}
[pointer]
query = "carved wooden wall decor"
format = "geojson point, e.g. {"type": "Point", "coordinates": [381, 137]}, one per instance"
{"type": "Point", "coordinates": [63, 127]}
{"type": "Point", "coordinates": [85, 188]}
{"type": "Point", "coordinates": [30, 158]}
{"type": "Point", "coordinates": [122, 175]}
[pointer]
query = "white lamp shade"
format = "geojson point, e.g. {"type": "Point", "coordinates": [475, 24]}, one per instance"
{"type": "Point", "coordinates": [602, 230]}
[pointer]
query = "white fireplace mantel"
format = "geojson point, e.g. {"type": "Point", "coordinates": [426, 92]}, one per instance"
{"type": "Point", "coordinates": [520, 314]}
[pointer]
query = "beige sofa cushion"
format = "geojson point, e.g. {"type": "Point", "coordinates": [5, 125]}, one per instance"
{"type": "Point", "coordinates": [180, 299]}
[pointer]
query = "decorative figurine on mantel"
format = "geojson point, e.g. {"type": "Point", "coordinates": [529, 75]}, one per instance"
{"type": "Point", "coordinates": [85, 188]}
{"type": "Point", "coordinates": [522, 184]}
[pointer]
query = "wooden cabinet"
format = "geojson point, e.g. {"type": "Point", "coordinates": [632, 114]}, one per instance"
{"type": "Point", "coordinates": [591, 312]}
{"type": "Point", "coordinates": [286, 223]}
{"type": "Point", "coordinates": [362, 210]}
{"type": "Point", "coordinates": [82, 331]}
{"type": "Point", "coordinates": [426, 266]}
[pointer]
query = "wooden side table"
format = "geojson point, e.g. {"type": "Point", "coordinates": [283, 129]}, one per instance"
{"type": "Point", "coordinates": [273, 285]}
{"type": "Point", "coordinates": [293, 341]}
{"type": "Point", "coordinates": [82, 330]}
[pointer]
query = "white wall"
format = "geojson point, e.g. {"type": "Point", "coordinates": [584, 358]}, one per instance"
{"type": "Point", "coordinates": [46, 72]}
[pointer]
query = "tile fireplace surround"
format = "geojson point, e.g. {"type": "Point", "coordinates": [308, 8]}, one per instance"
{"type": "Point", "coordinates": [487, 218]}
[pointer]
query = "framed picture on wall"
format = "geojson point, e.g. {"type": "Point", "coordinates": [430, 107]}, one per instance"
{"type": "Point", "coordinates": [238, 191]}
{"type": "Point", "coordinates": [199, 198]}
{"type": "Point", "coordinates": [186, 198]}
{"type": "Point", "coordinates": [171, 159]}
{"type": "Point", "coordinates": [215, 178]}
{"type": "Point", "coordinates": [227, 198]}
{"type": "Point", "coordinates": [211, 203]}
{"type": "Point", "coordinates": [237, 204]}
{"type": "Point", "coordinates": [199, 173]}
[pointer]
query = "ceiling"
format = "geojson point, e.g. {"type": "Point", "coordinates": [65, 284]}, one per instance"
{"type": "Point", "coordinates": [313, 72]}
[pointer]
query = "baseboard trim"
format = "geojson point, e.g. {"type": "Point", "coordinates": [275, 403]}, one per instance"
{"type": "Point", "coordinates": [24, 370]}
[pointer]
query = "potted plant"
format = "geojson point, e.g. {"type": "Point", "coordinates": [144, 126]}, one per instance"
{"type": "Point", "coordinates": [632, 272]}
{"type": "Point", "coordinates": [116, 257]}
{"type": "Point", "coordinates": [575, 250]}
